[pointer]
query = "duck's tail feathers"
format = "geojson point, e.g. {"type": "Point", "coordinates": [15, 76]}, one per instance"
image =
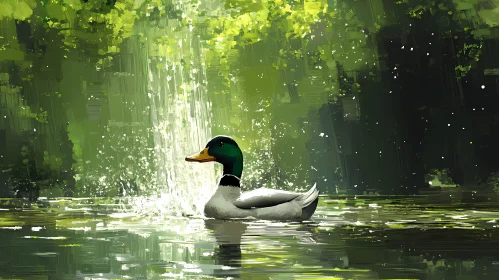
{"type": "Point", "coordinates": [309, 201]}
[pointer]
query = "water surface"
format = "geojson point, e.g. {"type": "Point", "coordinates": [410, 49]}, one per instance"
{"type": "Point", "coordinates": [349, 238]}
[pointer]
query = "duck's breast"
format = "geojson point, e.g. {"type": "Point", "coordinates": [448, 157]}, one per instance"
{"type": "Point", "coordinates": [220, 205]}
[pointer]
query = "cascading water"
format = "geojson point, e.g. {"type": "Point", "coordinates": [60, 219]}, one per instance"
{"type": "Point", "coordinates": [180, 113]}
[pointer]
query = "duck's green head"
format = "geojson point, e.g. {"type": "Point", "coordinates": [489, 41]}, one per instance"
{"type": "Point", "coordinates": [224, 150]}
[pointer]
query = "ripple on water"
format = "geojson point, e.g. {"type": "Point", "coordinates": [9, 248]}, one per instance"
{"type": "Point", "coordinates": [350, 239]}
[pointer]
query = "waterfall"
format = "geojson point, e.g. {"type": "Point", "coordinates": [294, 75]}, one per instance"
{"type": "Point", "coordinates": [181, 118]}
{"type": "Point", "coordinates": [180, 114]}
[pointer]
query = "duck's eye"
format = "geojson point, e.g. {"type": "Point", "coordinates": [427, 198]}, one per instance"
{"type": "Point", "coordinates": [220, 144]}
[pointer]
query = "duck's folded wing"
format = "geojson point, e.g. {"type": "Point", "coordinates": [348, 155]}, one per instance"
{"type": "Point", "coordinates": [264, 198]}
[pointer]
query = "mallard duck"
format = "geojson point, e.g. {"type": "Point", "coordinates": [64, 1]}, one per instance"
{"type": "Point", "coordinates": [267, 204]}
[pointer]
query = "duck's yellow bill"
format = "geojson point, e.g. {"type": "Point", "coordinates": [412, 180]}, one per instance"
{"type": "Point", "coordinates": [202, 156]}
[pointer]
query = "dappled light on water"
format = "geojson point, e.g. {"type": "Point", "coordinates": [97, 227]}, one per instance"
{"type": "Point", "coordinates": [349, 237]}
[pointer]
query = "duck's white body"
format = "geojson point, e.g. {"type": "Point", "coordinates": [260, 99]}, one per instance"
{"type": "Point", "coordinates": [229, 203]}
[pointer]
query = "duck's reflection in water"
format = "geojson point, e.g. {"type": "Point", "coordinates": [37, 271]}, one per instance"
{"type": "Point", "coordinates": [227, 254]}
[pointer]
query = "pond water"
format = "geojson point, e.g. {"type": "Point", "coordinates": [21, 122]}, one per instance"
{"type": "Point", "coordinates": [348, 238]}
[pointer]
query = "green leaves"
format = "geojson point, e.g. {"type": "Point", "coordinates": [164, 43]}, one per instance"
{"type": "Point", "coordinates": [41, 117]}
{"type": "Point", "coordinates": [17, 9]}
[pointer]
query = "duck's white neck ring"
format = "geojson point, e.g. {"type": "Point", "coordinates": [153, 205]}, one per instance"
{"type": "Point", "coordinates": [230, 180]}
{"type": "Point", "coordinates": [239, 179]}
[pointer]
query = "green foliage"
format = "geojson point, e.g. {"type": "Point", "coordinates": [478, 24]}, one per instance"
{"type": "Point", "coordinates": [441, 175]}
{"type": "Point", "coordinates": [28, 177]}
{"type": "Point", "coordinates": [102, 23]}
{"type": "Point", "coordinates": [464, 17]}
{"type": "Point", "coordinates": [51, 161]}
{"type": "Point", "coordinates": [493, 181]}
{"type": "Point", "coordinates": [246, 23]}
{"type": "Point", "coordinates": [297, 36]}
{"type": "Point", "coordinates": [41, 117]}
{"type": "Point", "coordinates": [17, 9]}
{"type": "Point", "coordinates": [12, 100]}
{"type": "Point", "coordinates": [468, 55]}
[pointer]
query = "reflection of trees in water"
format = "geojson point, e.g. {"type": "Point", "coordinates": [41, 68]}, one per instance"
{"type": "Point", "coordinates": [340, 249]}
{"type": "Point", "coordinates": [414, 253]}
